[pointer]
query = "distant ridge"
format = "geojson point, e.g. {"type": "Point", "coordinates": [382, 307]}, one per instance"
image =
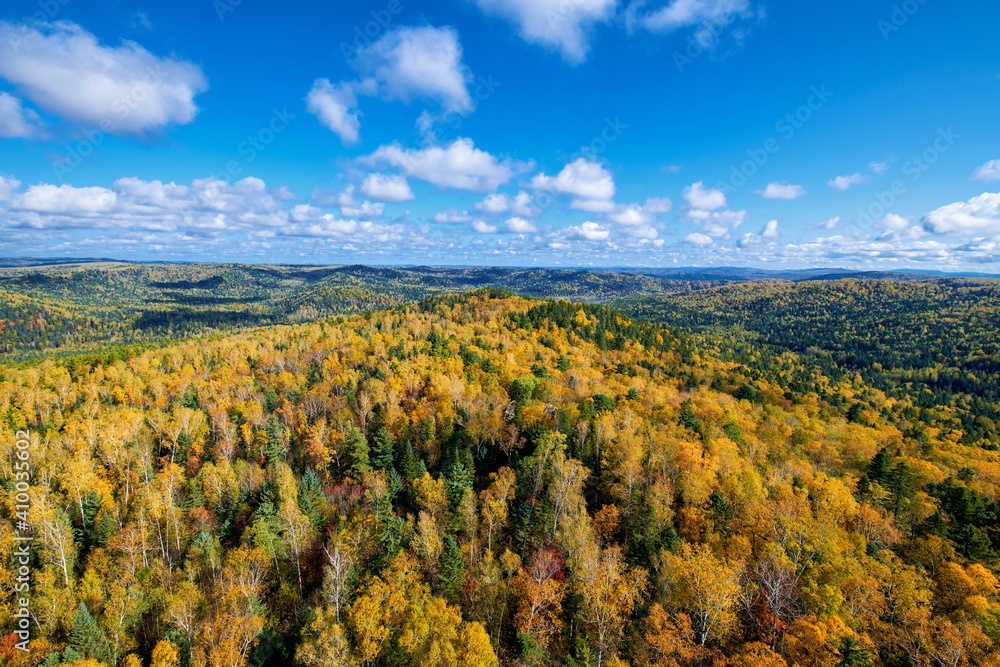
{"type": "Point", "coordinates": [692, 273]}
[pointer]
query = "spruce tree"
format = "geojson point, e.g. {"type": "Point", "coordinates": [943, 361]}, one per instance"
{"type": "Point", "coordinates": [881, 464]}
{"type": "Point", "coordinates": [357, 451]}
{"type": "Point", "coordinates": [452, 570]}
{"type": "Point", "coordinates": [86, 640]}
{"type": "Point", "coordinates": [383, 449]}
{"type": "Point", "coordinates": [275, 441]}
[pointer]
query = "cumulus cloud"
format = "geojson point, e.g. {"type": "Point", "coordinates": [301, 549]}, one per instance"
{"type": "Point", "coordinates": [125, 89]}
{"type": "Point", "coordinates": [452, 216]}
{"type": "Point", "coordinates": [483, 227]}
{"type": "Point", "coordinates": [419, 63]}
{"type": "Point", "coordinates": [503, 204]}
{"type": "Point", "coordinates": [698, 239]}
{"type": "Point", "coordinates": [769, 233]}
{"type": "Point", "coordinates": [590, 183]}
{"type": "Point", "coordinates": [878, 168]}
{"type": "Point", "coordinates": [830, 224]}
{"type": "Point", "coordinates": [404, 65]}
{"type": "Point", "coordinates": [558, 25]}
{"type": "Point", "coordinates": [16, 122]}
{"type": "Point", "coordinates": [381, 187]}
{"type": "Point", "coordinates": [698, 197]}
{"type": "Point", "coordinates": [637, 221]}
{"type": "Point", "coordinates": [989, 171]}
{"type": "Point", "coordinates": [782, 191]}
{"type": "Point", "coordinates": [336, 106]}
{"type": "Point", "coordinates": [459, 165]}
{"type": "Point", "coordinates": [709, 18]}
{"type": "Point", "coordinates": [520, 226]}
{"type": "Point", "coordinates": [588, 231]}
{"type": "Point", "coordinates": [844, 182]}
{"type": "Point", "coordinates": [131, 203]}
{"type": "Point", "coordinates": [979, 214]}
{"type": "Point", "coordinates": [348, 205]}
{"type": "Point", "coordinates": [8, 186]}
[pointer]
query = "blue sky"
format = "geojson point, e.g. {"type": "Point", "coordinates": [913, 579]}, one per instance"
{"type": "Point", "coordinates": [504, 132]}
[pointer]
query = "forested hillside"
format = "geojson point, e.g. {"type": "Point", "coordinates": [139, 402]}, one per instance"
{"type": "Point", "coordinates": [933, 343]}
{"type": "Point", "coordinates": [484, 479]}
{"type": "Point", "coordinates": [58, 309]}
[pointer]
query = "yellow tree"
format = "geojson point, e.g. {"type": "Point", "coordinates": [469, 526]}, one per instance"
{"type": "Point", "coordinates": [541, 588]}
{"type": "Point", "coordinates": [610, 591]}
{"type": "Point", "coordinates": [704, 586]}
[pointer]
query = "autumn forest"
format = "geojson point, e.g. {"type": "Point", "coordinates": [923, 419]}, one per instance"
{"type": "Point", "coordinates": [748, 474]}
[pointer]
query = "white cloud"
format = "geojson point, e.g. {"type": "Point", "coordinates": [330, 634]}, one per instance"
{"type": "Point", "coordinates": [451, 216]}
{"type": "Point", "coordinates": [700, 198]}
{"type": "Point", "coordinates": [503, 204]}
{"type": "Point", "coordinates": [382, 187]}
{"type": "Point", "coordinates": [459, 165]}
{"type": "Point", "coordinates": [559, 25]}
{"type": "Point", "coordinates": [717, 224]}
{"type": "Point", "coordinates": [126, 89]}
{"type": "Point", "coordinates": [769, 233]}
{"type": "Point", "coordinates": [594, 205]}
{"type": "Point", "coordinates": [771, 230]}
{"type": "Point", "coordinates": [698, 239]}
{"type": "Point", "coordinates": [520, 226]}
{"type": "Point", "coordinates": [336, 106]}
{"type": "Point", "coordinates": [979, 214]}
{"type": "Point", "coordinates": [589, 182]}
{"type": "Point", "coordinates": [16, 122]}
{"type": "Point", "coordinates": [782, 191]}
{"type": "Point", "coordinates": [8, 186]}
{"type": "Point", "coordinates": [637, 221]}
{"type": "Point", "coordinates": [131, 203]}
{"type": "Point", "coordinates": [348, 205]}
{"type": "Point", "coordinates": [878, 168]}
{"type": "Point", "coordinates": [844, 182]}
{"type": "Point", "coordinates": [589, 231]}
{"type": "Point", "coordinates": [658, 205]}
{"type": "Point", "coordinates": [709, 18]}
{"type": "Point", "coordinates": [65, 199]}
{"type": "Point", "coordinates": [632, 215]}
{"type": "Point", "coordinates": [830, 224]}
{"type": "Point", "coordinates": [419, 63]}
{"type": "Point", "coordinates": [989, 171]}
{"type": "Point", "coordinates": [893, 223]}
{"type": "Point", "coordinates": [483, 228]}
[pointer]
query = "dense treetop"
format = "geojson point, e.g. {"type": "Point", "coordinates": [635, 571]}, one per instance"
{"type": "Point", "coordinates": [486, 479]}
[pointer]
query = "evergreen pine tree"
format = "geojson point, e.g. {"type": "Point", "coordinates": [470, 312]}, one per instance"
{"type": "Point", "coordinates": [86, 639]}
{"type": "Point", "coordinates": [881, 464]}
{"type": "Point", "coordinates": [903, 486]}
{"type": "Point", "coordinates": [357, 451]}
{"type": "Point", "coordinates": [452, 570]}
{"type": "Point", "coordinates": [408, 463]}
{"type": "Point", "coordinates": [383, 449]}
{"type": "Point", "coordinates": [457, 480]}
{"type": "Point", "coordinates": [275, 441]}
{"type": "Point", "coordinates": [852, 654]}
